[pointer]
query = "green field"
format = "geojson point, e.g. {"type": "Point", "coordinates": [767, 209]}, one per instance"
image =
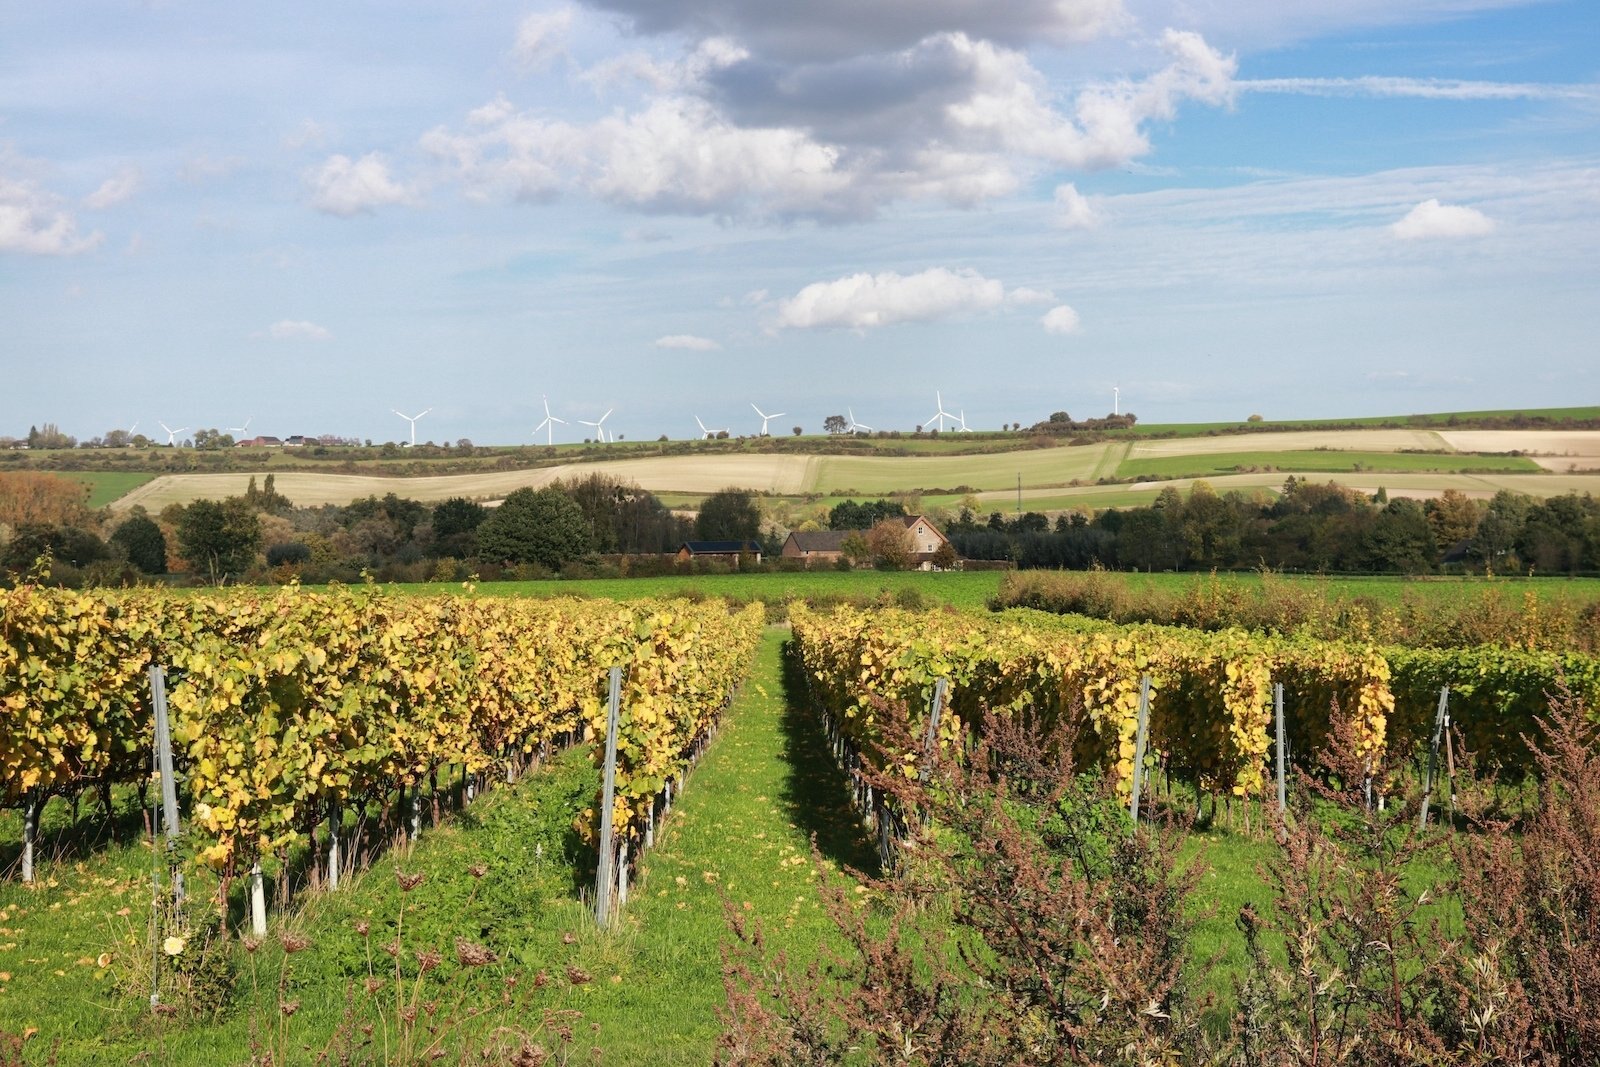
{"type": "Point", "coordinates": [1441, 418]}
{"type": "Point", "coordinates": [106, 486]}
{"type": "Point", "coordinates": [971, 591]}
{"type": "Point", "coordinates": [1320, 461]}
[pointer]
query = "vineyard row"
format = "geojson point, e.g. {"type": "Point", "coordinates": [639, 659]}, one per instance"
{"type": "Point", "coordinates": [1211, 692]}
{"type": "Point", "coordinates": [287, 704]}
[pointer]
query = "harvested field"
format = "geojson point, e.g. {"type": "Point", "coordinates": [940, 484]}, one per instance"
{"type": "Point", "coordinates": [686, 474]}
{"type": "Point", "coordinates": [1415, 486]}
{"type": "Point", "coordinates": [1554, 450]}
{"type": "Point", "coordinates": [1359, 440]}
{"type": "Point", "coordinates": [884, 474]}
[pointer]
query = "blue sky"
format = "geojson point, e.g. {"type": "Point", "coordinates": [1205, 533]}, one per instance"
{"type": "Point", "coordinates": [311, 214]}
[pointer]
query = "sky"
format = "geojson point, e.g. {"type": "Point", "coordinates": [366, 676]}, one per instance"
{"type": "Point", "coordinates": [309, 215]}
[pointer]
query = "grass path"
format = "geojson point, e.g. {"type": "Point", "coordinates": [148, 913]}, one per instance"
{"type": "Point", "coordinates": [741, 833]}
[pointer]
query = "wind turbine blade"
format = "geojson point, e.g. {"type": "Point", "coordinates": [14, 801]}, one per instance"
{"type": "Point", "coordinates": [552, 418]}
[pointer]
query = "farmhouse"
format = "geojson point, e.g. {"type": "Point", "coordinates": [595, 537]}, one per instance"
{"type": "Point", "coordinates": [825, 547]}
{"type": "Point", "coordinates": [728, 552]}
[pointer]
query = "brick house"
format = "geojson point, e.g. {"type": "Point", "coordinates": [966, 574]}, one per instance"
{"type": "Point", "coordinates": [826, 547]}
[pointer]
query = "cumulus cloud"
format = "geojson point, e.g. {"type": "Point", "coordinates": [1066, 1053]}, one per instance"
{"type": "Point", "coordinates": [114, 190]}
{"type": "Point", "coordinates": [1073, 210]}
{"type": "Point", "coordinates": [345, 187]}
{"type": "Point", "coordinates": [687, 342]}
{"type": "Point", "coordinates": [864, 301]}
{"type": "Point", "coordinates": [736, 133]}
{"type": "Point", "coordinates": [542, 37]}
{"type": "Point", "coordinates": [293, 330]}
{"type": "Point", "coordinates": [828, 29]}
{"type": "Point", "coordinates": [34, 220]}
{"type": "Point", "coordinates": [1061, 319]}
{"type": "Point", "coordinates": [1433, 219]}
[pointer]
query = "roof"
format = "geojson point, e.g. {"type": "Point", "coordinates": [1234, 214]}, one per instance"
{"type": "Point", "coordinates": [821, 540]}
{"type": "Point", "coordinates": [720, 548]}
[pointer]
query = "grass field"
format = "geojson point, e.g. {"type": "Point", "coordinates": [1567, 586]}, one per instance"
{"type": "Point", "coordinates": [107, 486]}
{"type": "Point", "coordinates": [1317, 461]}
{"type": "Point", "coordinates": [972, 591]}
{"type": "Point", "coordinates": [969, 591]}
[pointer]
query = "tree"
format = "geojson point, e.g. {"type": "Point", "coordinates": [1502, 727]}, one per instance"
{"type": "Point", "coordinates": [835, 424]}
{"type": "Point", "coordinates": [455, 526]}
{"type": "Point", "coordinates": [1453, 516]}
{"type": "Point", "coordinates": [849, 515]}
{"type": "Point", "coordinates": [1401, 539]}
{"type": "Point", "coordinates": [728, 515]}
{"type": "Point", "coordinates": [143, 542]}
{"type": "Point", "coordinates": [891, 545]}
{"type": "Point", "coordinates": [855, 550]}
{"type": "Point", "coordinates": [544, 526]}
{"type": "Point", "coordinates": [27, 497]}
{"type": "Point", "coordinates": [65, 543]}
{"type": "Point", "coordinates": [798, 430]}
{"type": "Point", "coordinates": [219, 538]}
{"type": "Point", "coordinates": [944, 557]}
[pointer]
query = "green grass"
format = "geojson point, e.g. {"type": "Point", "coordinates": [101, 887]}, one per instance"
{"type": "Point", "coordinates": [106, 486]}
{"type": "Point", "coordinates": [1387, 589]}
{"type": "Point", "coordinates": [1319, 460]}
{"type": "Point", "coordinates": [954, 588]}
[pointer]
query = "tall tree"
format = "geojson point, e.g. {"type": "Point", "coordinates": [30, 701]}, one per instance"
{"type": "Point", "coordinates": [543, 526]}
{"type": "Point", "coordinates": [144, 543]}
{"type": "Point", "coordinates": [729, 515]}
{"type": "Point", "coordinates": [219, 538]}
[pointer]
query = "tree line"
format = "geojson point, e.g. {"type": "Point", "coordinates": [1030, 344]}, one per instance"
{"type": "Point", "coordinates": [1308, 527]}
{"type": "Point", "coordinates": [260, 535]}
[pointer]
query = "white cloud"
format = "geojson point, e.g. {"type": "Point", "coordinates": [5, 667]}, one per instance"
{"type": "Point", "coordinates": [542, 37]}
{"type": "Point", "coordinates": [32, 219]}
{"type": "Point", "coordinates": [864, 301]}
{"type": "Point", "coordinates": [1061, 320]}
{"type": "Point", "coordinates": [730, 134]}
{"type": "Point", "coordinates": [1073, 210]}
{"type": "Point", "coordinates": [292, 330]}
{"type": "Point", "coordinates": [1423, 88]}
{"type": "Point", "coordinates": [1433, 219]}
{"type": "Point", "coordinates": [114, 190]}
{"type": "Point", "coordinates": [346, 187]}
{"type": "Point", "coordinates": [688, 342]}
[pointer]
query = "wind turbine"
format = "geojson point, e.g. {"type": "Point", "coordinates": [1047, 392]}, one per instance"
{"type": "Point", "coordinates": [599, 424]}
{"type": "Point", "coordinates": [1116, 400]}
{"type": "Point", "coordinates": [412, 419]}
{"type": "Point", "coordinates": [854, 425]}
{"type": "Point", "coordinates": [171, 433]}
{"type": "Point", "coordinates": [548, 425]}
{"type": "Point", "coordinates": [962, 418]}
{"type": "Point", "coordinates": [939, 415]}
{"type": "Point", "coordinates": [240, 431]}
{"type": "Point", "coordinates": [709, 434]}
{"type": "Point", "coordinates": [765, 418]}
